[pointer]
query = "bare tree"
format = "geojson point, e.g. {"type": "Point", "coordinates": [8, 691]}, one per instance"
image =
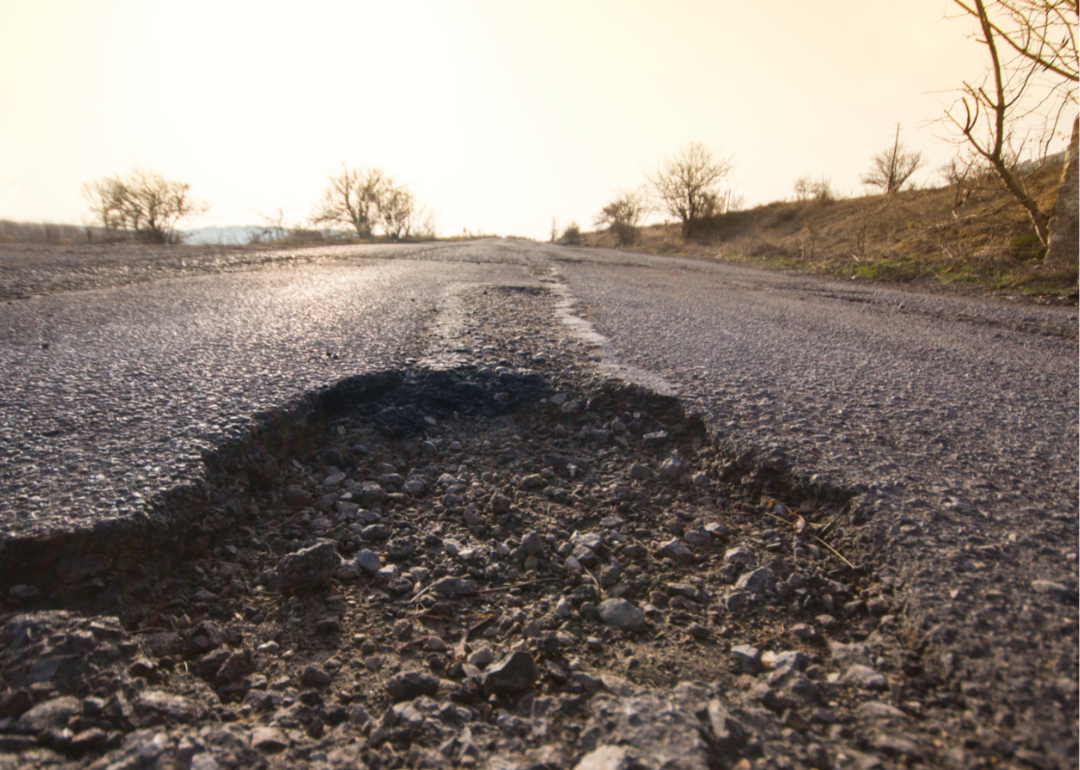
{"type": "Point", "coordinates": [623, 216]}
{"type": "Point", "coordinates": [893, 168]}
{"type": "Point", "coordinates": [806, 188]}
{"type": "Point", "coordinates": [686, 185]}
{"type": "Point", "coordinates": [274, 229]}
{"type": "Point", "coordinates": [352, 198]}
{"type": "Point", "coordinates": [398, 210]}
{"type": "Point", "coordinates": [144, 204]}
{"type": "Point", "coordinates": [1034, 83]}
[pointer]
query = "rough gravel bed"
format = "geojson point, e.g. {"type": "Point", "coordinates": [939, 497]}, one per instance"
{"type": "Point", "coordinates": [508, 563]}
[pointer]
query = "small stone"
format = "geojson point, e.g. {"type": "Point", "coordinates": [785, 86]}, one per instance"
{"type": "Point", "coordinates": [513, 674]}
{"type": "Point", "coordinates": [621, 614]}
{"type": "Point", "coordinates": [656, 438]}
{"type": "Point", "coordinates": [333, 479]}
{"type": "Point", "coordinates": [770, 698]}
{"type": "Point", "coordinates": [532, 544]}
{"type": "Point", "coordinates": [156, 706]}
{"type": "Point", "coordinates": [50, 714]}
{"type": "Point", "coordinates": [698, 631]}
{"type": "Point", "coordinates": [411, 684]}
{"type": "Point", "coordinates": [368, 561]}
{"type": "Point", "coordinates": [347, 570]}
{"type": "Point", "coordinates": [1054, 590]}
{"type": "Point", "coordinates": [533, 481]}
{"type": "Point", "coordinates": [865, 677]}
{"type": "Point", "coordinates": [399, 548]}
{"type": "Point", "coordinates": [235, 666]}
{"type": "Point", "coordinates": [347, 509]}
{"type": "Point", "coordinates": [739, 556]}
{"type": "Point", "coordinates": [738, 600]}
{"type": "Point", "coordinates": [640, 472]}
{"type": "Point", "coordinates": [828, 622]}
{"type": "Point", "coordinates": [309, 566]}
{"type": "Point", "coordinates": [482, 657]}
{"type": "Point", "coordinates": [454, 586]}
{"type": "Point", "coordinates": [757, 582]}
{"type": "Point", "coordinates": [268, 739]}
{"type": "Point", "coordinates": [748, 657]}
{"type": "Point", "coordinates": [93, 739]}
{"type": "Point", "coordinates": [697, 537]}
{"type": "Point", "coordinates": [677, 552]}
{"type": "Point", "coordinates": [585, 556]}
{"type": "Point", "coordinates": [297, 497]}
{"type": "Point", "coordinates": [328, 625]}
{"type": "Point", "coordinates": [894, 745]}
{"type": "Point", "coordinates": [878, 606]}
{"type": "Point", "coordinates": [670, 469]}
{"type": "Point", "coordinates": [728, 731]}
{"type": "Point", "coordinates": [388, 573]}
{"type": "Point", "coordinates": [804, 631]}
{"type": "Point", "coordinates": [790, 660]}
{"type": "Point", "coordinates": [375, 533]}
{"type": "Point", "coordinates": [564, 608]}
{"type": "Point", "coordinates": [314, 676]}
{"type": "Point", "coordinates": [878, 710]}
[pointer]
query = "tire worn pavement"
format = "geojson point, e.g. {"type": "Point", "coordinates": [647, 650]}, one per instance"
{"type": "Point", "coordinates": [947, 425]}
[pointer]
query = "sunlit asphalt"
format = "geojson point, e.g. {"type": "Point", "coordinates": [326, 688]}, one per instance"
{"type": "Point", "coordinates": [110, 395]}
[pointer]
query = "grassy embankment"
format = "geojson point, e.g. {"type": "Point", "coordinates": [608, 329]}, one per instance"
{"type": "Point", "coordinates": [918, 237]}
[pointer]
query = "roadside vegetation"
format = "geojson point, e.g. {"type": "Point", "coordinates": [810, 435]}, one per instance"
{"type": "Point", "coordinates": [967, 234]}
{"type": "Point", "coordinates": [1002, 218]}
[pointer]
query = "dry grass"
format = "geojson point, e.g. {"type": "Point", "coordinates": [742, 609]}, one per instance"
{"type": "Point", "coordinates": [986, 244]}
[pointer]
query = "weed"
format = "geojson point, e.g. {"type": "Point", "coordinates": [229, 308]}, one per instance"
{"type": "Point", "coordinates": [1026, 246]}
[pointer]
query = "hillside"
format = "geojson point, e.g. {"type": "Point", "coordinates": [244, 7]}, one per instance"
{"type": "Point", "coordinates": [971, 238]}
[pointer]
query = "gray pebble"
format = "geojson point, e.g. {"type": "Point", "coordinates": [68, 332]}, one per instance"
{"type": "Point", "coordinates": [621, 614]}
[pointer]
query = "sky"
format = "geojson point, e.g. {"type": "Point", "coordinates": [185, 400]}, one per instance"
{"type": "Point", "coordinates": [499, 115]}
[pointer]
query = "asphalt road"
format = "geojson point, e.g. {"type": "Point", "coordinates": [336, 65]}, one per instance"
{"type": "Point", "coordinates": [955, 420]}
{"type": "Point", "coordinates": [109, 393]}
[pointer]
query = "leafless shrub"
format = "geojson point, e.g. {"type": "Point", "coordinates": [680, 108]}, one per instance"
{"type": "Point", "coordinates": [571, 236]}
{"type": "Point", "coordinates": [893, 167]}
{"type": "Point", "coordinates": [623, 216]}
{"type": "Point", "coordinates": [807, 188]}
{"type": "Point", "coordinates": [144, 204]}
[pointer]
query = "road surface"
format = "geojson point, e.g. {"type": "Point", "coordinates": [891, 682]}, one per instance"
{"type": "Point", "coordinates": [953, 422]}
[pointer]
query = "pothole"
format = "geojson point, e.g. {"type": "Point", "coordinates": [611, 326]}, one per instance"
{"type": "Point", "coordinates": [513, 560]}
